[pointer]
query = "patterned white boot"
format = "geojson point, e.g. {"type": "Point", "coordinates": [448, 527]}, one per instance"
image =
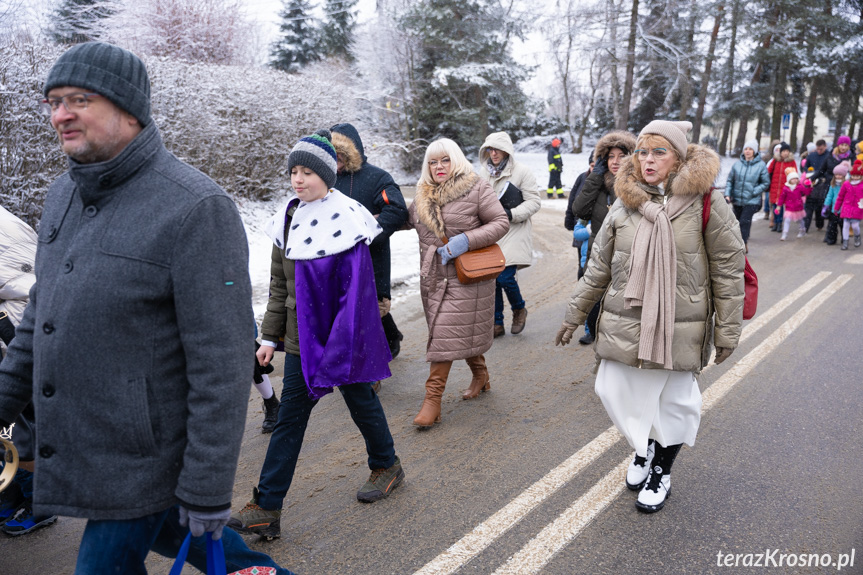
{"type": "Point", "coordinates": [656, 490]}
{"type": "Point", "coordinates": [638, 470]}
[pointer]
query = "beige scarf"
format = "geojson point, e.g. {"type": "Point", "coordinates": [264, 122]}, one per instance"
{"type": "Point", "coordinates": [653, 277]}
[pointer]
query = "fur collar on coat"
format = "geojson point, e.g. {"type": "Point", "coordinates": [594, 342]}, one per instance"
{"type": "Point", "coordinates": [695, 177]}
{"type": "Point", "coordinates": [430, 199]}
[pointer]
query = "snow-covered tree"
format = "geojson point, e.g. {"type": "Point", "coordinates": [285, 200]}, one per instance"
{"type": "Point", "coordinates": [211, 31]}
{"type": "Point", "coordinates": [466, 83]}
{"type": "Point", "coordinates": [299, 41]}
{"type": "Point", "coordinates": [337, 32]}
{"type": "Point", "coordinates": [75, 21]}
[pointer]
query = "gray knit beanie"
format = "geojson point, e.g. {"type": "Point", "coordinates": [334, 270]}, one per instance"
{"type": "Point", "coordinates": [674, 132]}
{"type": "Point", "coordinates": [109, 71]}
{"type": "Point", "coordinates": [317, 153]}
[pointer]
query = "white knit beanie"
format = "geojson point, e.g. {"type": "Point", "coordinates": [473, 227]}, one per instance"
{"type": "Point", "coordinates": [674, 132]}
{"type": "Point", "coordinates": [752, 145]}
{"type": "Point", "coordinates": [810, 147]}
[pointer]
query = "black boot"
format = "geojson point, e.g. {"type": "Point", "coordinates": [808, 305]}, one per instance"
{"type": "Point", "coordinates": [657, 488]}
{"type": "Point", "coordinates": [271, 414]}
{"type": "Point", "coordinates": [393, 335]}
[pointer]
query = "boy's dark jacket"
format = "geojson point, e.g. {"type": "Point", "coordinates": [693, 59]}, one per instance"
{"type": "Point", "coordinates": [375, 189]}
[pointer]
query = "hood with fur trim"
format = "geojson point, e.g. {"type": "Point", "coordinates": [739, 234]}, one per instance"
{"type": "Point", "coordinates": [616, 139]}
{"type": "Point", "coordinates": [346, 140]}
{"type": "Point", "coordinates": [695, 177]}
{"type": "Point", "coordinates": [429, 200]}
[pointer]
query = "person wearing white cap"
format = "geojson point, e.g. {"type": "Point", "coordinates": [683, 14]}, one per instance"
{"type": "Point", "coordinates": [664, 281]}
{"type": "Point", "coordinates": [746, 183]}
{"type": "Point", "coordinates": [791, 199]}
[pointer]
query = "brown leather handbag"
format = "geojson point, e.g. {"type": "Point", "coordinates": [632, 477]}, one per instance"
{"type": "Point", "coordinates": [479, 265]}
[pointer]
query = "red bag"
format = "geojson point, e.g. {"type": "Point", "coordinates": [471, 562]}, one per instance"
{"type": "Point", "coordinates": [750, 280]}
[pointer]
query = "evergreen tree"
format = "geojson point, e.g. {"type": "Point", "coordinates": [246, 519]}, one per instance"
{"type": "Point", "coordinates": [465, 81]}
{"type": "Point", "coordinates": [73, 21]}
{"type": "Point", "coordinates": [337, 33]}
{"type": "Point", "coordinates": [299, 43]}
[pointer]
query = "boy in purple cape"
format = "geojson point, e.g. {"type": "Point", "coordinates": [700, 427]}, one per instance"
{"type": "Point", "coordinates": [324, 306]}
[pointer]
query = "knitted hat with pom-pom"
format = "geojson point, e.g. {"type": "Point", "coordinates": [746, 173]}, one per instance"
{"type": "Point", "coordinates": [857, 169]}
{"type": "Point", "coordinates": [317, 153]}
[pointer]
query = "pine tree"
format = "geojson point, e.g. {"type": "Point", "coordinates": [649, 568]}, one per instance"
{"type": "Point", "coordinates": [337, 33]}
{"type": "Point", "coordinates": [299, 43]}
{"type": "Point", "coordinates": [73, 21]}
{"type": "Point", "coordinates": [466, 81]}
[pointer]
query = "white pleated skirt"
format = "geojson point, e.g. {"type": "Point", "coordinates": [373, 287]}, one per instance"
{"type": "Point", "coordinates": [650, 404]}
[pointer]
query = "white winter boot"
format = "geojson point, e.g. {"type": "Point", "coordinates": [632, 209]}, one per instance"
{"type": "Point", "coordinates": [639, 468]}
{"type": "Point", "coordinates": [656, 490]}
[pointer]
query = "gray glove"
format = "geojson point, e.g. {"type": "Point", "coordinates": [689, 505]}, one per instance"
{"type": "Point", "coordinates": [457, 246]}
{"type": "Point", "coordinates": [722, 354]}
{"type": "Point", "coordinates": [201, 522]}
{"type": "Point", "coordinates": [564, 334]}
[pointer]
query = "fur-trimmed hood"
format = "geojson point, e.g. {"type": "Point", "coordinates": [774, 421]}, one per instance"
{"type": "Point", "coordinates": [616, 139]}
{"type": "Point", "coordinates": [347, 142]}
{"type": "Point", "coordinates": [429, 199]}
{"type": "Point", "coordinates": [695, 177]}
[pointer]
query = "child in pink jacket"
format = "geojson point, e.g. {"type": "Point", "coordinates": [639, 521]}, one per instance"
{"type": "Point", "coordinates": [850, 202]}
{"type": "Point", "coordinates": [791, 197]}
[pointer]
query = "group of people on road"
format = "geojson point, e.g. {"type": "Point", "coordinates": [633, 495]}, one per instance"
{"type": "Point", "coordinates": [827, 187]}
{"type": "Point", "coordinates": [138, 327]}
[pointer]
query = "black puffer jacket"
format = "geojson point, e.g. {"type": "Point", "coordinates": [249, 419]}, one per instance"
{"type": "Point", "coordinates": [375, 189]}
{"type": "Point", "coordinates": [597, 194]}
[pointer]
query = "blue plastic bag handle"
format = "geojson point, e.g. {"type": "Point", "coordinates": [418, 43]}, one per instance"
{"type": "Point", "coordinates": [215, 556]}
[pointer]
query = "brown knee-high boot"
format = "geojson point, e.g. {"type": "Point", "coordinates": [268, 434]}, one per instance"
{"type": "Point", "coordinates": [430, 411]}
{"type": "Point", "coordinates": [480, 381]}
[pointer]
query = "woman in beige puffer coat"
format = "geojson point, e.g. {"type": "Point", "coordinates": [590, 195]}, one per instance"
{"type": "Point", "coordinates": [499, 167]}
{"type": "Point", "coordinates": [669, 292]}
{"type": "Point", "coordinates": [453, 202]}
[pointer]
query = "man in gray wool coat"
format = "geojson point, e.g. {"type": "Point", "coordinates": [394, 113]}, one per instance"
{"type": "Point", "coordinates": [136, 345]}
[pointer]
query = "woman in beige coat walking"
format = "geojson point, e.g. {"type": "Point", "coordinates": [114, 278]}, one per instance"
{"type": "Point", "coordinates": [670, 290]}
{"type": "Point", "coordinates": [454, 210]}
{"type": "Point", "coordinates": [515, 186]}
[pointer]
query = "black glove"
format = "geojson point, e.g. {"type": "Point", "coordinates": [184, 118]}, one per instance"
{"type": "Point", "coordinates": [7, 330]}
{"type": "Point", "coordinates": [260, 370]}
{"type": "Point", "coordinates": [508, 213]}
{"type": "Point", "coordinates": [601, 165]}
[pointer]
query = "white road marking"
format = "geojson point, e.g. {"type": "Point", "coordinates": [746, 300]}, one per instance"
{"type": "Point", "coordinates": [558, 534]}
{"type": "Point", "coordinates": [780, 306]}
{"type": "Point", "coordinates": [484, 534]}
{"type": "Point", "coordinates": [856, 259]}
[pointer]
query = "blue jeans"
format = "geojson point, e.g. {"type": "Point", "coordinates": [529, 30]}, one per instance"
{"type": "Point", "coordinates": [505, 282]}
{"type": "Point", "coordinates": [294, 411]}
{"type": "Point", "coordinates": [110, 547]}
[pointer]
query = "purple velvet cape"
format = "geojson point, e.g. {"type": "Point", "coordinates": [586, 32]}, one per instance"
{"type": "Point", "coordinates": [342, 338]}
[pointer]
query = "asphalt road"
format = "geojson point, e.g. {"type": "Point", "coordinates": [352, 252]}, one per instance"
{"type": "Point", "coordinates": [523, 480]}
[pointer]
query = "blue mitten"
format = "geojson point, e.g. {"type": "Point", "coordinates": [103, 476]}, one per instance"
{"type": "Point", "coordinates": [457, 246]}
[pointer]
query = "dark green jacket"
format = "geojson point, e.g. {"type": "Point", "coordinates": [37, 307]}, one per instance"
{"type": "Point", "coordinates": [280, 320]}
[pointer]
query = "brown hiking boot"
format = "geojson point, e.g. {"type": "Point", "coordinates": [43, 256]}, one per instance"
{"type": "Point", "coordinates": [480, 381]}
{"type": "Point", "coordinates": [253, 519]}
{"type": "Point", "coordinates": [519, 317]}
{"type": "Point", "coordinates": [499, 330]}
{"type": "Point", "coordinates": [381, 483]}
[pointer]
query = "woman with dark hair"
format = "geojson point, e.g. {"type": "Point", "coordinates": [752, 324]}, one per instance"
{"type": "Point", "coordinates": [598, 194]}
{"type": "Point", "coordinates": [670, 290]}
